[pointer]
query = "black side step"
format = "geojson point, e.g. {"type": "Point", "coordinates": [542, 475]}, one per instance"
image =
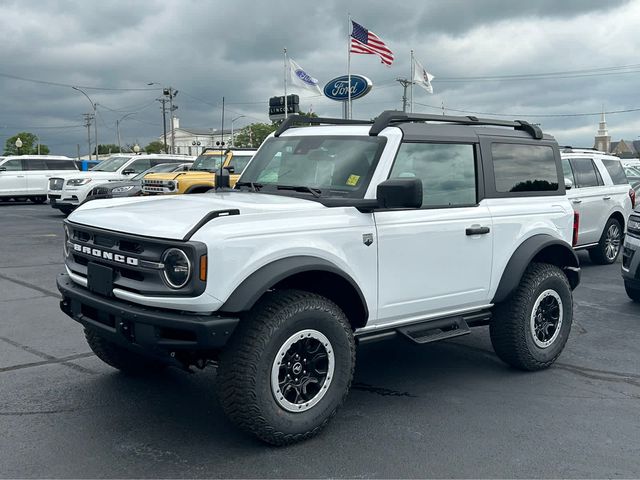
{"type": "Point", "coordinates": [436, 330]}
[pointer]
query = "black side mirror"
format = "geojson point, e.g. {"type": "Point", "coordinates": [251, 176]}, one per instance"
{"type": "Point", "coordinates": [3, 169]}
{"type": "Point", "coordinates": [230, 169]}
{"type": "Point", "coordinates": [400, 193]}
{"type": "Point", "coordinates": [128, 171]}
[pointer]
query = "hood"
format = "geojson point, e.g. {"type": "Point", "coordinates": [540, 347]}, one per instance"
{"type": "Point", "coordinates": [173, 216]}
{"type": "Point", "coordinates": [120, 183]}
{"type": "Point", "coordinates": [176, 175]}
{"type": "Point", "coordinates": [93, 175]}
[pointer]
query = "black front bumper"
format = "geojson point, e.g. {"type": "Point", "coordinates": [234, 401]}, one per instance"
{"type": "Point", "coordinates": [151, 331]}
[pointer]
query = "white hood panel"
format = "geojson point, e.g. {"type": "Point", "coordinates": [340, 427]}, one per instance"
{"type": "Point", "coordinates": [173, 216]}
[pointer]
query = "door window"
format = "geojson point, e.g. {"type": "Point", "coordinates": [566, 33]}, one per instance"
{"type": "Point", "coordinates": [35, 164]}
{"type": "Point", "coordinates": [524, 168]}
{"type": "Point", "coordinates": [447, 172]}
{"type": "Point", "coordinates": [616, 172]}
{"type": "Point", "coordinates": [568, 171]}
{"type": "Point", "coordinates": [239, 162]}
{"type": "Point", "coordinates": [585, 173]}
{"type": "Point", "coordinates": [139, 165]}
{"type": "Point", "coordinates": [12, 165]}
{"type": "Point", "coordinates": [60, 165]}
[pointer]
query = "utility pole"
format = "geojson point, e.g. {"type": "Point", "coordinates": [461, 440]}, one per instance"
{"type": "Point", "coordinates": [170, 93]}
{"type": "Point", "coordinates": [405, 84]}
{"type": "Point", "coordinates": [95, 116]}
{"type": "Point", "coordinates": [163, 101]}
{"type": "Point", "coordinates": [87, 123]}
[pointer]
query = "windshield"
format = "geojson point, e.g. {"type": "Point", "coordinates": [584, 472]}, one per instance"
{"type": "Point", "coordinates": [111, 164]}
{"type": "Point", "coordinates": [337, 165]}
{"type": "Point", "coordinates": [163, 167]}
{"type": "Point", "coordinates": [208, 161]}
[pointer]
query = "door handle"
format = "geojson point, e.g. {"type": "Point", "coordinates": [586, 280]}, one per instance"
{"type": "Point", "coordinates": [606, 198]}
{"type": "Point", "coordinates": [576, 201]}
{"type": "Point", "coordinates": [477, 230]}
{"type": "Point", "coordinates": [19, 176]}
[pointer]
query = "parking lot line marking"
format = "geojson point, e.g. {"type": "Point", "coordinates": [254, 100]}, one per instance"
{"type": "Point", "coordinates": [49, 293]}
{"type": "Point", "coordinates": [62, 361]}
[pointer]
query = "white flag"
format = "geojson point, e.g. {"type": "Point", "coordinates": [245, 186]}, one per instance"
{"type": "Point", "coordinates": [422, 77]}
{"type": "Point", "coordinates": [301, 78]}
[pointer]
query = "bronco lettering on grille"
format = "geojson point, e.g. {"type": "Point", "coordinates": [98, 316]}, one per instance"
{"type": "Point", "coordinates": [114, 257]}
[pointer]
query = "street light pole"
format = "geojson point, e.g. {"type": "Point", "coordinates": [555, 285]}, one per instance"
{"type": "Point", "coordinates": [95, 119]}
{"type": "Point", "coordinates": [233, 140]}
{"type": "Point", "coordinates": [118, 128]}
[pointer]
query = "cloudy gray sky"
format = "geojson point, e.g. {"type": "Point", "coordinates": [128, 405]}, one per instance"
{"type": "Point", "coordinates": [211, 49]}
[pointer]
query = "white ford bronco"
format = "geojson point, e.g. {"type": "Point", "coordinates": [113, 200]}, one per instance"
{"type": "Point", "coordinates": [339, 232]}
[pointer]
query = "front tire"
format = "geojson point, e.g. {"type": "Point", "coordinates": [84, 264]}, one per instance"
{"type": "Point", "coordinates": [120, 358]}
{"type": "Point", "coordinates": [632, 292]}
{"type": "Point", "coordinates": [288, 367]}
{"type": "Point", "coordinates": [608, 248]}
{"type": "Point", "coordinates": [531, 328]}
{"type": "Point", "coordinates": [66, 210]}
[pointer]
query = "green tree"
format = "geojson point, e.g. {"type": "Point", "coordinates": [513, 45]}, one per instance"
{"type": "Point", "coordinates": [254, 134]}
{"type": "Point", "coordinates": [155, 147]}
{"type": "Point", "coordinates": [29, 145]}
{"type": "Point", "coordinates": [104, 149]}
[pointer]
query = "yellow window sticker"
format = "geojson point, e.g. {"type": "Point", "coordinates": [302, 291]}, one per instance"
{"type": "Point", "coordinates": [352, 181]}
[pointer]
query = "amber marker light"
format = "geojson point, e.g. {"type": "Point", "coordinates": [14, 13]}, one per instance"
{"type": "Point", "coordinates": [203, 268]}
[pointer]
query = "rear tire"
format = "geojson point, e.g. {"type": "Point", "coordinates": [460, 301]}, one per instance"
{"type": "Point", "coordinates": [531, 328]}
{"type": "Point", "coordinates": [38, 200]}
{"type": "Point", "coordinates": [282, 403]}
{"type": "Point", "coordinates": [120, 358]}
{"type": "Point", "coordinates": [632, 292]}
{"type": "Point", "coordinates": [608, 248]}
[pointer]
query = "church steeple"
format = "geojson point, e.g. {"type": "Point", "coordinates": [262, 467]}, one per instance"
{"type": "Point", "coordinates": [603, 139]}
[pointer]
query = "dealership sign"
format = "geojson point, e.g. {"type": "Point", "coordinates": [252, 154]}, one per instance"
{"type": "Point", "coordinates": [338, 88]}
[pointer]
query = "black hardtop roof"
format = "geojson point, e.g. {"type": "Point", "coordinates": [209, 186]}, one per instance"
{"type": "Point", "coordinates": [414, 125]}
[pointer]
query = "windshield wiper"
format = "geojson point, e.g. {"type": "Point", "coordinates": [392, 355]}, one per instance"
{"type": "Point", "coordinates": [255, 187]}
{"type": "Point", "coordinates": [316, 192]}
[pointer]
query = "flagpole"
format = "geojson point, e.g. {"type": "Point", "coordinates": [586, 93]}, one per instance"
{"type": "Point", "coordinates": [411, 77]}
{"type": "Point", "coordinates": [286, 109]}
{"type": "Point", "coordinates": [348, 112]}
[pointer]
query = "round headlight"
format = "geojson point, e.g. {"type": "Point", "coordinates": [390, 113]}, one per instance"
{"type": "Point", "coordinates": [65, 245]}
{"type": "Point", "coordinates": [171, 185]}
{"type": "Point", "coordinates": [177, 268]}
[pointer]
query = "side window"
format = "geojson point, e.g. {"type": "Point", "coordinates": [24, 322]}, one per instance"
{"type": "Point", "coordinates": [524, 168]}
{"type": "Point", "coordinates": [585, 172]}
{"type": "Point", "coordinates": [12, 165]}
{"type": "Point", "coordinates": [139, 165]}
{"type": "Point", "coordinates": [239, 162]}
{"type": "Point", "coordinates": [568, 171]}
{"type": "Point", "coordinates": [447, 172]}
{"type": "Point", "coordinates": [616, 172]}
{"type": "Point", "coordinates": [35, 164]}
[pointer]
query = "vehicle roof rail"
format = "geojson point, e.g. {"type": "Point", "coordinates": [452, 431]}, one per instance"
{"type": "Point", "coordinates": [390, 117]}
{"type": "Point", "coordinates": [292, 120]}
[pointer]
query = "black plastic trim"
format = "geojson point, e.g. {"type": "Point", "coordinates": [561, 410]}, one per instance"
{"type": "Point", "coordinates": [292, 120]}
{"type": "Point", "coordinates": [207, 218]}
{"type": "Point", "coordinates": [523, 256]}
{"type": "Point", "coordinates": [254, 286]}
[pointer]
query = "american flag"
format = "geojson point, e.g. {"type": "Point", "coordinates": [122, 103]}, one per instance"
{"type": "Point", "coordinates": [366, 42]}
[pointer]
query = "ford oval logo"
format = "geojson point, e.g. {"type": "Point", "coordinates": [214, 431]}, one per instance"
{"type": "Point", "coordinates": [338, 88]}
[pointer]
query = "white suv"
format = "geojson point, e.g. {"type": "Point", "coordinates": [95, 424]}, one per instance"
{"type": "Point", "coordinates": [26, 176]}
{"type": "Point", "coordinates": [601, 195]}
{"type": "Point", "coordinates": [412, 226]}
{"type": "Point", "coordinates": [67, 192]}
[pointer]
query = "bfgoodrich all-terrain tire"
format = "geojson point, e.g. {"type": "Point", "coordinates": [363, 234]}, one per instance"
{"type": "Point", "coordinates": [121, 358]}
{"type": "Point", "coordinates": [288, 367]}
{"type": "Point", "coordinates": [531, 328]}
{"type": "Point", "coordinates": [608, 248]}
{"type": "Point", "coordinates": [632, 292]}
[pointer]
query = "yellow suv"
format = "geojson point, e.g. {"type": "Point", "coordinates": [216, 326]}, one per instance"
{"type": "Point", "coordinates": [202, 175]}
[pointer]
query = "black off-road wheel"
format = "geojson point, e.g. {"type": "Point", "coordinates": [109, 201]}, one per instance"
{"type": "Point", "coordinates": [608, 248]}
{"type": "Point", "coordinates": [124, 360]}
{"type": "Point", "coordinates": [632, 292]}
{"type": "Point", "coordinates": [530, 329]}
{"type": "Point", "coordinates": [38, 200]}
{"type": "Point", "coordinates": [288, 367]}
{"type": "Point", "coordinates": [66, 210]}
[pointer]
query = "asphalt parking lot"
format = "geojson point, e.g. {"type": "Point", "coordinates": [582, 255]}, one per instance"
{"type": "Point", "coordinates": [449, 409]}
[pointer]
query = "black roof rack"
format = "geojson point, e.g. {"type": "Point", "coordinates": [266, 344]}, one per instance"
{"type": "Point", "coordinates": [303, 119]}
{"type": "Point", "coordinates": [394, 116]}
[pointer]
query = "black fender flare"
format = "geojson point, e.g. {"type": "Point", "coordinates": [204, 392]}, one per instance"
{"type": "Point", "coordinates": [560, 254]}
{"type": "Point", "coordinates": [255, 285]}
{"type": "Point", "coordinates": [197, 186]}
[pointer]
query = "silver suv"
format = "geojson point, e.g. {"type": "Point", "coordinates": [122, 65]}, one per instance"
{"type": "Point", "coordinates": [602, 197]}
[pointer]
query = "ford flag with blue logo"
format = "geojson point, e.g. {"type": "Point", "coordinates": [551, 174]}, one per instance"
{"type": "Point", "coordinates": [301, 78]}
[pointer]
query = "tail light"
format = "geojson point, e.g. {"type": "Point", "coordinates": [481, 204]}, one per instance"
{"type": "Point", "coordinates": [632, 196]}
{"type": "Point", "coordinates": [576, 226]}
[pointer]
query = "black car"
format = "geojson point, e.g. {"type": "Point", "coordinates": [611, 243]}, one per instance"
{"type": "Point", "coordinates": [132, 187]}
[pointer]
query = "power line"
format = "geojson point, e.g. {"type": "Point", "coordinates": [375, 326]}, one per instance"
{"type": "Point", "coordinates": [68, 85]}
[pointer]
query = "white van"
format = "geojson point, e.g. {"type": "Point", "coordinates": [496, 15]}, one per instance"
{"type": "Point", "coordinates": [27, 176]}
